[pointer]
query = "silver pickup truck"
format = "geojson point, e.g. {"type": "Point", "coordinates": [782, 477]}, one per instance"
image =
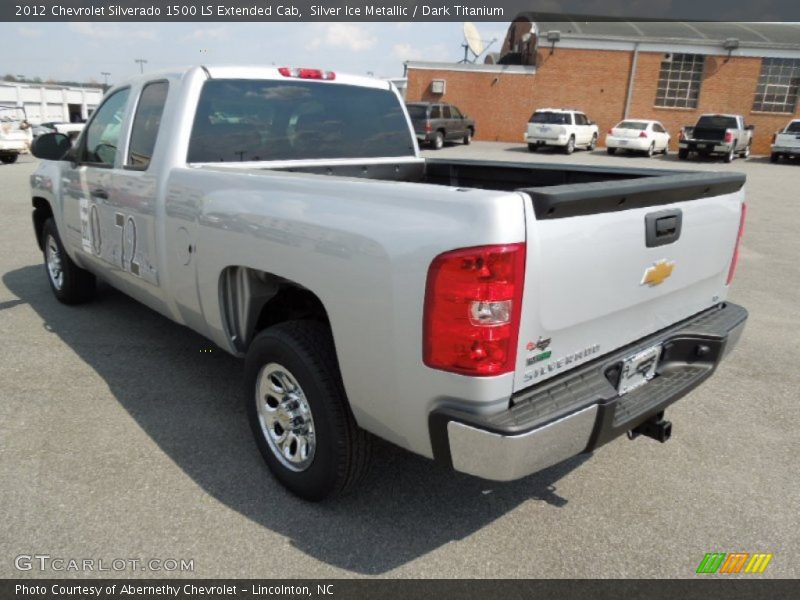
{"type": "Point", "coordinates": [717, 135]}
{"type": "Point", "coordinates": [496, 317]}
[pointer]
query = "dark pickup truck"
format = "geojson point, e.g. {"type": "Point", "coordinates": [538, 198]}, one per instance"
{"type": "Point", "coordinates": [717, 135]}
{"type": "Point", "coordinates": [436, 123]}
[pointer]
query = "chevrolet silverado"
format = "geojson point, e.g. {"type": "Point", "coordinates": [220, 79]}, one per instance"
{"type": "Point", "coordinates": [497, 317]}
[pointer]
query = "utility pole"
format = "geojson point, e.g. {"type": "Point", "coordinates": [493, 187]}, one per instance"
{"type": "Point", "coordinates": [142, 63]}
{"type": "Point", "coordinates": [105, 75]}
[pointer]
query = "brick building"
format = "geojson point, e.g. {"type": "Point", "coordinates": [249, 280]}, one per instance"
{"type": "Point", "coordinates": [671, 72]}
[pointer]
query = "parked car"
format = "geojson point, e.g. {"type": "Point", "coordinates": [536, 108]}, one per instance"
{"type": "Point", "coordinates": [498, 330]}
{"type": "Point", "coordinates": [717, 135]}
{"type": "Point", "coordinates": [786, 143]}
{"type": "Point", "coordinates": [15, 133]}
{"type": "Point", "coordinates": [561, 127]}
{"type": "Point", "coordinates": [638, 135]}
{"type": "Point", "coordinates": [437, 123]}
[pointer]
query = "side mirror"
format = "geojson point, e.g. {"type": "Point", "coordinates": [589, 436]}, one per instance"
{"type": "Point", "coordinates": [750, 127]}
{"type": "Point", "coordinates": [51, 146]}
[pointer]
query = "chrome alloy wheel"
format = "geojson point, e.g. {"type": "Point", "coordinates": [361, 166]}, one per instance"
{"type": "Point", "coordinates": [53, 260]}
{"type": "Point", "coordinates": [285, 417]}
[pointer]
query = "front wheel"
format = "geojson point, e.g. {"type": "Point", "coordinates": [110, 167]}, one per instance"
{"type": "Point", "coordinates": [570, 147]}
{"type": "Point", "coordinates": [746, 154]}
{"type": "Point", "coordinates": [532, 147]}
{"type": "Point", "coordinates": [8, 159]}
{"type": "Point", "coordinates": [683, 154]}
{"type": "Point", "coordinates": [773, 158]}
{"type": "Point", "coordinates": [468, 137]}
{"type": "Point", "coordinates": [592, 144]}
{"type": "Point", "coordinates": [70, 283]}
{"type": "Point", "coordinates": [299, 413]}
{"type": "Point", "coordinates": [731, 155]}
{"type": "Point", "coordinates": [611, 151]}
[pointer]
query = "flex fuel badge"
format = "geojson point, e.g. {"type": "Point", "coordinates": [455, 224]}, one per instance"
{"type": "Point", "coordinates": [541, 346]}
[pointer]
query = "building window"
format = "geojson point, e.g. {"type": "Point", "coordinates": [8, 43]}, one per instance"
{"type": "Point", "coordinates": [778, 85]}
{"type": "Point", "coordinates": [679, 80]}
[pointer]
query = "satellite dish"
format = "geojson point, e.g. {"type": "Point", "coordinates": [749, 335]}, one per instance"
{"type": "Point", "coordinates": [473, 39]}
{"type": "Point", "coordinates": [473, 43]}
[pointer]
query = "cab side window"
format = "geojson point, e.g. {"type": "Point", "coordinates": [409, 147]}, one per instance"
{"type": "Point", "coordinates": [146, 123]}
{"type": "Point", "coordinates": [436, 112]}
{"type": "Point", "coordinates": [446, 112]}
{"type": "Point", "coordinates": [102, 135]}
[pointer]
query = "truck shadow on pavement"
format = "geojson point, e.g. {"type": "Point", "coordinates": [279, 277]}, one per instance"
{"type": "Point", "coordinates": [187, 396]}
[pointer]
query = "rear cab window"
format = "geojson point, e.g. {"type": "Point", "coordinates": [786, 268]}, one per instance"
{"type": "Point", "coordinates": [262, 120]}
{"type": "Point", "coordinates": [717, 122]}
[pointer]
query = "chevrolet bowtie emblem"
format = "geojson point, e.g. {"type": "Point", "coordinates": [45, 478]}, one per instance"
{"type": "Point", "coordinates": [656, 274]}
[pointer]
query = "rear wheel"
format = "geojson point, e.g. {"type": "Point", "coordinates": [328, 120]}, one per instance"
{"type": "Point", "coordinates": [746, 154]}
{"type": "Point", "coordinates": [532, 147]}
{"type": "Point", "coordinates": [299, 413]}
{"type": "Point", "coordinates": [438, 141]}
{"type": "Point", "coordinates": [70, 283]}
{"type": "Point", "coordinates": [8, 159]}
{"type": "Point", "coordinates": [683, 154]}
{"type": "Point", "coordinates": [593, 143]}
{"type": "Point", "coordinates": [570, 147]}
{"type": "Point", "coordinates": [731, 155]}
{"type": "Point", "coordinates": [773, 158]}
{"type": "Point", "coordinates": [468, 137]}
{"type": "Point", "coordinates": [651, 150]}
{"type": "Point", "coordinates": [611, 151]}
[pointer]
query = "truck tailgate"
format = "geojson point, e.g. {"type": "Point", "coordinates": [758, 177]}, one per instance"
{"type": "Point", "coordinates": [592, 284]}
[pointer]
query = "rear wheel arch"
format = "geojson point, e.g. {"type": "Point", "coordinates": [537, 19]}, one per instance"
{"type": "Point", "coordinates": [252, 300]}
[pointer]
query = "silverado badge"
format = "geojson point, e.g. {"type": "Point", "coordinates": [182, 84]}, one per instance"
{"type": "Point", "coordinates": [656, 274]}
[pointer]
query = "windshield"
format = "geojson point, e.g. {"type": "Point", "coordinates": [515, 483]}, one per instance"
{"type": "Point", "coordinates": [417, 111]}
{"type": "Point", "coordinates": [261, 120]}
{"type": "Point", "coordinates": [793, 127]}
{"type": "Point", "coordinates": [551, 118]}
{"type": "Point", "coordinates": [632, 125]}
{"type": "Point", "coordinates": [717, 122]}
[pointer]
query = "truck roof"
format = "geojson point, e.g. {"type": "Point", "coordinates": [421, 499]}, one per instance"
{"type": "Point", "coordinates": [257, 72]}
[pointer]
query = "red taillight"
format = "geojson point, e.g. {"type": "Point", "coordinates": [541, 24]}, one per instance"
{"type": "Point", "coordinates": [643, 134]}
{"type": "Point", "coordinates": [735, 259]}
{"type": "Point", "coordinates": [728, 137]}
{"type": "Point", "coordinates": [428, 127]}
{"type": "Point", "coordinates": [611, 131]}
{"type": "Point", "coordinates": [472, 310]}
{"type": "Point", "coordinates": [307, 73]}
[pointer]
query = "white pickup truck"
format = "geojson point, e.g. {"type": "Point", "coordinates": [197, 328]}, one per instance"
{"type": "Point", "coordinates": [497, 317]}
{"type": "Point", "coordinates": [786, 143]}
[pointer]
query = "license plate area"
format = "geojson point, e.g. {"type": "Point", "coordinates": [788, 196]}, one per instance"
{"type": "Point", "coordinates": [638, 369]}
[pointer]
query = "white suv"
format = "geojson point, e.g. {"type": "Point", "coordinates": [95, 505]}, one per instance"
{"type": "Point", "coordinates": [561, 127]}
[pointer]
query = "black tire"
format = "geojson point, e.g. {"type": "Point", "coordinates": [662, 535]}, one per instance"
{"type": "Point", "coordinates": [746, 153]}
{"type": "Point", "coordinates": [731, 155]}
{"type": "Point", "coordinates": [438, 141]}
{"type": "Point", "coordinates": [773, 158]}
{"type": "Point", "coordinates": [77, 285]}
{"type": "Point", "coordinates": [343, 450]}
{"type": "Point", "coordinates": [570, 147]}
{"type": "Point", "coordinates": [468, 137]}
{"type": "Point", "coordinates": [683, 154]}
{"type": "Point", "coordinates": [651, 150]}
{"type": "Point", "coordinates": [8, 159]}
{"type": "Point", "coordinates": [611, 151]}
{"type": "Point", "coordinates": [533, 147]}
{"type": "Point", "coordinates": [592, 144]}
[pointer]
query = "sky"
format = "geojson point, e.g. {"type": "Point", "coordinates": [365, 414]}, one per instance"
{"type": "Point", "coordinates": [82, 51]}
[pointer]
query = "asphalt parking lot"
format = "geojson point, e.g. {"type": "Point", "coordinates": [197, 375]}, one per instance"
{"type": "Point", "coordinates": [121, 438]}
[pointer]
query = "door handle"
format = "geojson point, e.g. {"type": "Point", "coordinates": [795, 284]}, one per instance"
{"type": "Point", "coordinates": [100, 193]}
{"type": "Point", "coordinates": [662, 227]}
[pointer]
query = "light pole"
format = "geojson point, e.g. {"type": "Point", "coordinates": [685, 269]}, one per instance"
{"type": "Point", "coordinates": [142, 63]}
{"type": "Point", "coordinates": [105, 75]}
